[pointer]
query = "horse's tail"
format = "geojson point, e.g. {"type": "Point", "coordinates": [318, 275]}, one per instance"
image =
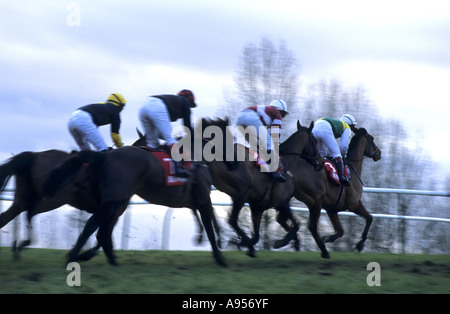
{"type": "Point", "coordinates": [66, 172]}
{"type": "Point", "coordinates": [19, 164]}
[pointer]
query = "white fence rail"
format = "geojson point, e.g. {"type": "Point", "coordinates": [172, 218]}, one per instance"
{"type": "Point", "coordinates": [169, 211]}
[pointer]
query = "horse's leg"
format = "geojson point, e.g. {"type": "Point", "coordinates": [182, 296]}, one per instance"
{"type": "Point", "coordinates": [233, 221]}
{"type": "Point", "coordinates": [314, 214]}
{"type": "Point", "coordinates": [207, 213]}
{"type": "Point", "coordinates": [339, 230]}
{"type": "Point", "coordinates": [10, 214]}
{"type": "Point", "coordinates": [283, 215]}
{"type": "Point", "coordinates": [99, 216]}
{"type": "Point", "coordinates": [104, 235]}
{"type": "Point", "coordinates": [256, 220]}
{"type": "Point", "coordinates": [217, 229]}
{"type": "Point", "coordinates": [199, 238]}
{"type": "Point", "coordinates": [92, 252]}
{"type": "Point", "coordinates": [362, 211]}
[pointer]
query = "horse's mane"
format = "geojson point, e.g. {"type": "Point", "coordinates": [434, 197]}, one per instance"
{"type": "Point", "coordinates": [221, 123]}
{"type": "Point", "coordinates": [355, 139]}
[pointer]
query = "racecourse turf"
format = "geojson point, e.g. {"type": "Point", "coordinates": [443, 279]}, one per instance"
{"type": "Point", "coordinates": [179, 272]}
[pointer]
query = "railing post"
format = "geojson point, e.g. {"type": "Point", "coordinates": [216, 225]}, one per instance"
{"type": "Point", "coordinates": [166, 229]}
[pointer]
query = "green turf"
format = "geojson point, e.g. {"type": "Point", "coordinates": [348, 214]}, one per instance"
{"type": "Point", "coordinates": [44, 271]}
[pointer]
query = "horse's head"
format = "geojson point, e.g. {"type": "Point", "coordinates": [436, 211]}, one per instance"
{"type": "Point", "coordinates": [216, 134]}
{"type": "Point", "coordinates": [365, 142]}
{"type": "Point", "coordinates": [303, 143]}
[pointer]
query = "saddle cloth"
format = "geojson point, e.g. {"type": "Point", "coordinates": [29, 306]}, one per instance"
{"type": "Point", "coordinates": [332, 171]}
{"type": "Point", "coordinates": [169, 168]}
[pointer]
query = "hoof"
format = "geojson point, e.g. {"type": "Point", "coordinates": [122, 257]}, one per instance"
{"type": "Point", "coordinates": [359, 246]}
{"type": "Point", "coordinates": [251, 252]}
{"type": "Point", "coordinates": [87, 255]}
{"type": "Point", "coordinates": [325, 255]}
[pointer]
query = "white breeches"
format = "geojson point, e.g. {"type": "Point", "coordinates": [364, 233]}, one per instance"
{"type": "Point", "coordinates": [84, 131]}
{"type": "Point", "coordinates": [155, 120]}
{"type": "Point", "coordinates": [253, 125]}
{"type": "Point", "coordinates": [326, 143]}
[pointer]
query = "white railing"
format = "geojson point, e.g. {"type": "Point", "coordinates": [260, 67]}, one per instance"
{"type": "Point", "coordinates": [169, 212]}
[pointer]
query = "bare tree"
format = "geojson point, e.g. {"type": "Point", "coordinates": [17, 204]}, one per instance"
{"type": "Point", "coordinates": [264, 72]}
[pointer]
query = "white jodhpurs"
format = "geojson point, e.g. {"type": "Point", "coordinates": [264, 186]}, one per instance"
{"type": "Point", "coordinates": [326, 143]}
{"type": "Point", "coordinates": [84, 131]}
{"type": "Point", "coordinates": [155, 120]}
{"type": "Point", "coordinates": [253, 125]}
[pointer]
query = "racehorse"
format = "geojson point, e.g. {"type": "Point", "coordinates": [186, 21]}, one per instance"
{"type": "Point", "coordinates": [115, 176]}
{"type": "Point", "coordinates": [318, 191]}
{"type": "Point", "coordinates": [30, 170]}
{"type": "Point", "coordinates": [246, 183]}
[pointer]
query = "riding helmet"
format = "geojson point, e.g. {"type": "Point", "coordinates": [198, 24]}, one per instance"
{"type": "Point", "coordinates": [189, 95]}
{"type": "Point", "coordinates": [117, 100]}
{"type": "Point", "coordinates": [280, 105]}
{"type": "Point", "coordinates": [349, 119]}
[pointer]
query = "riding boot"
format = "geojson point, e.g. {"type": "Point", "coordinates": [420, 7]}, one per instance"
{"type": "Point", "coordinates": [278, 175]}
{"type": "Point", "coordinates": [340, 169]}
{"type": "Point", "coordinates": [180, 171]}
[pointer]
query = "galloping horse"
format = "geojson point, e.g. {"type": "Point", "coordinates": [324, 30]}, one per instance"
{"type": "Point", "coordinates": [115, 176]}
{"type": "Point", "coordinates": [31, 170]}
{"type": "Point", "coordinates": [248, 184]}
{"type": "Point", "coordinates": [317, 191]}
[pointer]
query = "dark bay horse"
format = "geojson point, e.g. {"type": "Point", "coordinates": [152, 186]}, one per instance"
{"type": "Point", "coordinates": [31, 170]}
{"type": "Point", "coordinates": [246, 183]}
{"type": "Point", "coordinates": [115, 176]}
{"type": "Point", "coordinates": [317, 191]}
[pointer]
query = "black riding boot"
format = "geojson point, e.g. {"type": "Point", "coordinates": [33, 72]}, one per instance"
{"type": "Point", "coordinates": [278, 175]}
{"type": "Point", "coordinates": [340, 169]}
{"type": "Point", "coordinates": [180, 171]}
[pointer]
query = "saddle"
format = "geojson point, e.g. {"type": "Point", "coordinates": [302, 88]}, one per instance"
{"type": "Point", "coordinates": [332, 171]}
{"type": "Point", "coordinates": [162, 154]}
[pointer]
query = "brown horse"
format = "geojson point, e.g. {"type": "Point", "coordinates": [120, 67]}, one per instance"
{"type": "Point", "coordinates": [30, 170]}
{"type": "Point", "coordinates": [246, 183]}
{"type": "Point", "coordinates": [317, 191]}
{"type": "Point", "coordinates": [115, 176]}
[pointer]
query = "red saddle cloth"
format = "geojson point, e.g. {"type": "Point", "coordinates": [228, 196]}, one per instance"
{"type": "Point", "coordinates": [332, 171]}
{"type": "Point", "coordinates": [169, 168]}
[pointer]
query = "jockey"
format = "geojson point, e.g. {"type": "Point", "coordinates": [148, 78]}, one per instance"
{"type": "Point", "coordinates": [156, 114]}
{"type": "Point", "coordinates": [270, 118]}
{"type": "Point", "coordinates": [84, 122]}
{"type": "Point", "coordinates": [325, 131]}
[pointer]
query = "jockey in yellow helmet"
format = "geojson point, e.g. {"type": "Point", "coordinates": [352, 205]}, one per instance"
{"type": "Point", "coordinates": [84, 122]}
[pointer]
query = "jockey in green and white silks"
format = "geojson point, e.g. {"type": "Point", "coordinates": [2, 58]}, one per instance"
{"type": "Point", "coordinates": [326, 131]}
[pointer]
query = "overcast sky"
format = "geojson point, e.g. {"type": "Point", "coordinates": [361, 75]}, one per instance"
{"type": "Point", "coordinates": [59, 55]}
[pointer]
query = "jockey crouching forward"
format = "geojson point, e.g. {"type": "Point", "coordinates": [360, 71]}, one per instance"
{"type": "Point", "coordinates": [84, 122]}
{"type": "Point", "coordinates": [326, 131]}
{"type": "Point", "coordinates": [266, 119]}
{"type": "Point", "coordinates": [156, 114]}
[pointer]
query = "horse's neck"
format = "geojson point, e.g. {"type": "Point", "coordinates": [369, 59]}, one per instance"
{"type": "Point", "coordinates": [291, 146]}
{"type": "Point", "coordinates": [356, 156]}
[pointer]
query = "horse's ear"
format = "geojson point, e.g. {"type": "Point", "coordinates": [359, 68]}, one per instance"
{"type": "Point", "coordinates": [139, 133]}
{"type": "Point", "coordinates": [311, 125]}
{"type": "Point", "coordinates": [299, 126]}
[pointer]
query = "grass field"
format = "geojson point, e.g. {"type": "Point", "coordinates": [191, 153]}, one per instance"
{"type": "Point", "coordinates": [44, 271]}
